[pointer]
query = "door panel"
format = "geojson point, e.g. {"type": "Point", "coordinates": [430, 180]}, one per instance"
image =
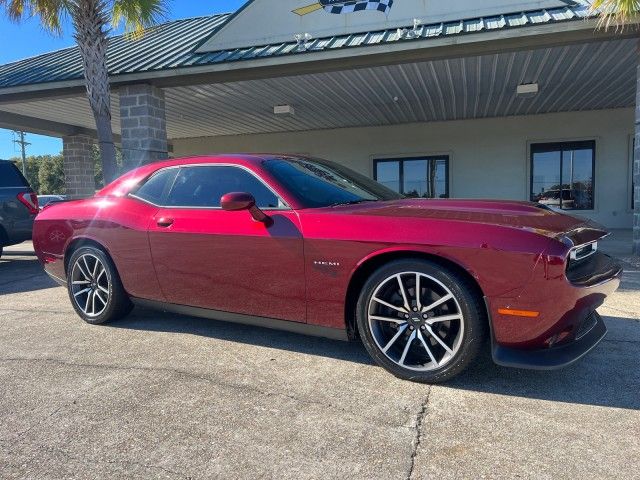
{"type": "Point", "coordinates": [211, 258]}
{"type": "Point", "coordinates": [128, 243]}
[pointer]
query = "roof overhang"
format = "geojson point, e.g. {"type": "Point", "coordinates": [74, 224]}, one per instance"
{"type": "Point", "coordinates": [593, 75]}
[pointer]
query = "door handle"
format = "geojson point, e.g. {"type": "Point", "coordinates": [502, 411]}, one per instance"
{"type": "Point", "coordinates": [165, 222]}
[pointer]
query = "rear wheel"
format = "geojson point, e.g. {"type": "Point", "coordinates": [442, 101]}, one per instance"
{"type": "Point", "coordinates": [420, 320]}
{"type": "Point", "coordinates": [95, 289]}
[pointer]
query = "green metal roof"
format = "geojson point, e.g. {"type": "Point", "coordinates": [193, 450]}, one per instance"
{"type": "Point", "coordinates": [172, 45]}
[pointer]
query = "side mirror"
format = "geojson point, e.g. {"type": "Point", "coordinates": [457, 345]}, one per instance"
{"type": "Point", "coordinates": [236, 201]}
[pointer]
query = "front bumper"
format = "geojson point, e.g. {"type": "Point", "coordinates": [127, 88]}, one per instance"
{"type": "Point", "coordinates": [553, 357]}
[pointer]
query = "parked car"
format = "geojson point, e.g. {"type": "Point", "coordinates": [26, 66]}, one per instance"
{"type": "Point", "coordinates": [551, 198]}
{"type": "Point", "coordinates": [44, 200]}
{"type": "Point", "coordinates": [310, 246]}
{"type": "Point", "coordinates": [18, 206]}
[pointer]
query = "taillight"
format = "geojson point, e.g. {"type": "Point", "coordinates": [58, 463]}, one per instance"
{"type": "Point", "coordinates": [29, 200]}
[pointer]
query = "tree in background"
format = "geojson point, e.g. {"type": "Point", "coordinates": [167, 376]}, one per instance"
{"type": "Point", "coordinates": [51, 175]}
{"type": "Point", "coordinates": [98, 175]}
{"type": "Point", "coordinates": [31, 171]}
{"type": "Point", "coordinates": [92, 21]}
{"type": "Point", "coordinates": [45, 173]}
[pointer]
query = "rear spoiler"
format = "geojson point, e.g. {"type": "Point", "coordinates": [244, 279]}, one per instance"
{"type": "Point", "coordinates": [55, 202]}
{"type": "Point", "coordinates": [588, 233]}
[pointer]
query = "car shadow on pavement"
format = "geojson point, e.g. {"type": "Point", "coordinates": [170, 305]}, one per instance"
{"type": "Point", "coordinates": [608, 376]}
{"type": "Point", "coordinates": [19, 274]}
{"type": "Point", "coordinates": [151, 320]}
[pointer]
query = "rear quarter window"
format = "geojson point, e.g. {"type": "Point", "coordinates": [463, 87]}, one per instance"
{"type": "Point", "coordinates": [10, 176]}
{"type": "Point", "coordinates": [156, 188]}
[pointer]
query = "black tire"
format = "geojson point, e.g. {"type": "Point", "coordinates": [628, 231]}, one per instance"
{"type": "Point", "coordinates": [472, 329]}
{"type": "Point", "coordinates": [118, 304]}
{"type": "Point", "coordinates": [1, 250]}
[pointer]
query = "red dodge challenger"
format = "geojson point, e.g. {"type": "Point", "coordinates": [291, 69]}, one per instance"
{"type": "Point", "coordinates": [310, 246]}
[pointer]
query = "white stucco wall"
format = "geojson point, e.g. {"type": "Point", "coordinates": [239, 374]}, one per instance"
{"type": "Point", "coordinates": [489, 158]}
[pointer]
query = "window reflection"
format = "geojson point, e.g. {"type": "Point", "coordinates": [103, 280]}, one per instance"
{"type": "Point", "coordinates": [562, 175]}
{"type": "Point", "coordinates": [425, 177]}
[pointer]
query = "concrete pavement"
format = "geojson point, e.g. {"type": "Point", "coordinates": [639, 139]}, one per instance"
{"type": "Point", "coordinates": [163, 396]}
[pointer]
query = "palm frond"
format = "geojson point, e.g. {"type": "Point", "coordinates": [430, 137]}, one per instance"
{"type": "Point", "coordinates": [50, 12]}
{"type": "Point", "coordinates": [138, 15]}
{"type": "Point", "coordinates": [615, 13]}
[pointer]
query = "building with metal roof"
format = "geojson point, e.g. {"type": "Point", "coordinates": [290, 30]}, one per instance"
{"type": "Point", "coordinates": [517, 99]}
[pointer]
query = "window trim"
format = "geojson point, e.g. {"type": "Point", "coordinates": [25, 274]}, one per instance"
{"type": "Point", "coordinates": [187, 207]}
{"type": "Point", "coordinates": [147, 179]}
{"type": "Point", "coordinates": [562, 146]}
{"type": "Point", "coordinates": [404, 158]}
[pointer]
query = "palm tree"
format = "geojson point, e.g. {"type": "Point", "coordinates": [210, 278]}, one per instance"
{"type": "Point", "coordinates": [615, 12]}
{"type": "Point", "coordinates": [92, 21]}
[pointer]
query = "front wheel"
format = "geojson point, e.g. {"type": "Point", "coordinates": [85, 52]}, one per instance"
{"type": "Point", "coordinates": [420, 320]}
{"type": "Point", "coordinates": [94, 286]}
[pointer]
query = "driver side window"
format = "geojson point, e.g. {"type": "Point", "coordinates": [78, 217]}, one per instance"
{"type": "Point", "coordinates": [202, 186]}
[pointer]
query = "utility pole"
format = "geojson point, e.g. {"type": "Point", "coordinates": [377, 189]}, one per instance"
{"type": "Point", "coordinates": [23, 146]}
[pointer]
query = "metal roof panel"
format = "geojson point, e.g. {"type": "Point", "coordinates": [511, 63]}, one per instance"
{"type": "Point", "coordinates": [172, 45]}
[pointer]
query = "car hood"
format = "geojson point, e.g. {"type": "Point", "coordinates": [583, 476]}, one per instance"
{"type": "Point", "coordinates": [519, 215]}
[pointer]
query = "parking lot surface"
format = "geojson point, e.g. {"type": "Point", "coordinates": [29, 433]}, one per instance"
{"type": "Point", "coordinates": [164, 396]}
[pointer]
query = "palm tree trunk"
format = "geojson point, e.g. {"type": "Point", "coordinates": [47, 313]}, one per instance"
{"type": "Point", "coordinates": [635, 184]}
{"type": "Point", "coordinates": [90, 20]}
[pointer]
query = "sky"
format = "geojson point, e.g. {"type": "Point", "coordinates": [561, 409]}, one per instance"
{"type": "Point", "coordinates": [18, 41]}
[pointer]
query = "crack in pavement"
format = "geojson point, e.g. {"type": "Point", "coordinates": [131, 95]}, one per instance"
{"type": "Point", "coordinates": [615, 340]}
{"type": "Point", "coordinates": [83, 461]}
{"type": "Point", "coordinates": [148, 467]}
{"type": "Point", "coordinates": [212, 380]}
{"type": "Point", "coordinates": [417, 439]}
{"type": "Point", "coordinates": [29, 310]}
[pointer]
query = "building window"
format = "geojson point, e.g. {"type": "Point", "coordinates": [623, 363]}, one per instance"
{"type": "Point", "coordinates": [562, 174]}
{"type": "Point", "coordinates": [416, 177]}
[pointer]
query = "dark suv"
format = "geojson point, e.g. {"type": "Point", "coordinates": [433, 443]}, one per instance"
{"type": "Point", "coordinates": [18, 206]}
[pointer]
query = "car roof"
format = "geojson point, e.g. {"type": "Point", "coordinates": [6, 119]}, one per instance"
{"type": "Point", "coordinates": [123, 184]}
{"type": "Point", "coordinates": [246, 158]}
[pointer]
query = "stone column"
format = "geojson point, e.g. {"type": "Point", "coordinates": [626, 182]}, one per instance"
{"type": "Point", "coordinates": [143, 125]}
{"type": "Point", "coordinates": [79, 174]}
{"type": "Point", "coordinates": [636, 166]}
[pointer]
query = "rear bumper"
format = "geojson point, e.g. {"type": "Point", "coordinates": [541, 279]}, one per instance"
{"type": "Point", "coordinates": [60, 281]}
{"type": "Point", "coordinates": [559, 356]}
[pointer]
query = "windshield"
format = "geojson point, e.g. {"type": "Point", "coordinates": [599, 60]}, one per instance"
{"type": "Point", "coordinates": [320, 183]}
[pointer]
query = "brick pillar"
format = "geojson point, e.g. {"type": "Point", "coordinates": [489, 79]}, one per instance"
{"type": "Point", "coordinates": [636, 167]}
{"type": "Point", "coordinates": [79, 175]}
{"type": "Point", "coordinates": [143, 124]}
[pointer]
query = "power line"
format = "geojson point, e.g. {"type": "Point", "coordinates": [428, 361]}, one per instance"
{"type": "Point", "coordinates": [20, 140]}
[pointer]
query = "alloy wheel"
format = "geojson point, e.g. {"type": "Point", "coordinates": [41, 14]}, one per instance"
{"type": "Point", "coordinates": [90, 285]}
{"type": "Point", "coordinates": [415, 321]}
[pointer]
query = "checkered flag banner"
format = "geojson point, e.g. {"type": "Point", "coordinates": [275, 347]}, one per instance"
{"type": "Point", "coordinates": [356, 6]}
